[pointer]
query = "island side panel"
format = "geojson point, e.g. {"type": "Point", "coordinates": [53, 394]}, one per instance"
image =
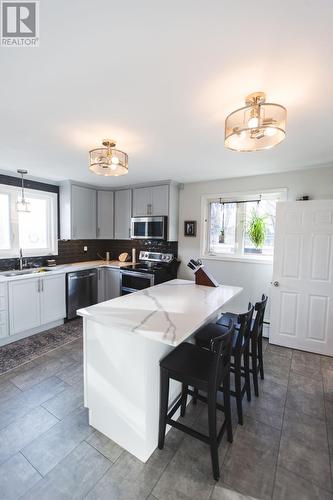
{"type": "Point", "coordinates": [122, 386]}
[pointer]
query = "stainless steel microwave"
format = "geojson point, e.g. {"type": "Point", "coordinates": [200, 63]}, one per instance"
{"type": "Point", "coordinates": [149, 228]}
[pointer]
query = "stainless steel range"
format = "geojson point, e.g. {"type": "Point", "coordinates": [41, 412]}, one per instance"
{"type": "Point", "coordinates": [153, 268]}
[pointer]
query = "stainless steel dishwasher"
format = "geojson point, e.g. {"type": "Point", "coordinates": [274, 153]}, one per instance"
{"type": "Point", "coordinates": [81, 290]}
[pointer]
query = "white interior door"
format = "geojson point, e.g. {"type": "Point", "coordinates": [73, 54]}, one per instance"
{"type": "Point", "coordinates": [302, 288]}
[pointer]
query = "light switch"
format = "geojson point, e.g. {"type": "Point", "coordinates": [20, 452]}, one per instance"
{"type": "Point", "coordinates": [85, 249]}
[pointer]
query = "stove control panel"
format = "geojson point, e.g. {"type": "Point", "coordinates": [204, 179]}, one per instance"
{"type": "Point", "coordinates": [155, 256]}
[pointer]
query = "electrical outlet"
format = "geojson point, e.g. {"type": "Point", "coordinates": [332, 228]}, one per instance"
{"type": "Point", "coordinates": [85, 249]}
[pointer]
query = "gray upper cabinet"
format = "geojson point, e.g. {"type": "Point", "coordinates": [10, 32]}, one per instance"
{"type": "Point", "coordinates": [83, 213]}
{"type": "Point", "coordinates": [122, 214]}
{"type": "Point", "coordinates": [105, 215]}
{"type": "Point", "coordinates": [78, 206]}
{"type": "Point", "coordinates": [152, 200]}
{"type": "Point", "coordinates": [86, 213]}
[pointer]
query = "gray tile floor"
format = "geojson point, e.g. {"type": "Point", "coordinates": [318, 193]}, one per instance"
{"type": "Point", "coordinates": [283, 451]}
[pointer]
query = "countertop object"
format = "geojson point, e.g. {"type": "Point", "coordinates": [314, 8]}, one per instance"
{"type": "Point", "coordinates": [124, 339]}
{"type": "Point", "coordinates": [123, 257]}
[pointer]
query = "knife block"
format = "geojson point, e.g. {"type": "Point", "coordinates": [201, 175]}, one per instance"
{"type": "Point", "coordinates": [204, 278]}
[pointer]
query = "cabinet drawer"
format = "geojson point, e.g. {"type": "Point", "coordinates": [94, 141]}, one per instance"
{"type": "Point", "coordinates": [3, 317]}
{"type": "Point", "coordinates": [3, 303]}
{"type": "Point", "coordinates": [3, 330]}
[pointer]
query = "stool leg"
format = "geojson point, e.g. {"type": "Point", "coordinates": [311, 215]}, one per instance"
{"type": "Point", "coordinates": [254, 365]}
{"type": "Point", "coordinates": [227, 407]}
{"type": "Point", "coordinates": [184, 400]}
{"type": "Point", "coordinates": [196, 392]}
{"type": "Point", "coordinates": [238, 389]}
{"type": "Point", "coordinates": [260, 356]}
{"type": "Point", "coordinates": [247, 373]}
{"type": "Point", "coordinates": [213, 433]}
{"type": "Point", "coordinates": [164, 398]}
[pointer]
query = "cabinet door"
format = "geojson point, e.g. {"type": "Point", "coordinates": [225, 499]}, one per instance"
{"type": "Point", "coordinates": [105, 215]}
{"type": "Point", "coordinates": [101, 285]}
{"type": "Point", "coordinates": [53, 298]}
{"type": "Point", "coordinates": [160, 200]}
{"type": "Point", "coordinates": [112, 283]}
{"type": "Point", "coordinates": [83, 213]}
{"type": "Point", "coordinates": [24, 305]}
{"type": "Point", "coordinates": [142, 202]}
{"type": "Point", "coordinates": [122, 214]}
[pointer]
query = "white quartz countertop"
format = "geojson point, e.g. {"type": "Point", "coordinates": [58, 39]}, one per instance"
{"type": "Point", "coordinates": [66, 268]}
{"type": "Point", "coordinates": [167, 313]}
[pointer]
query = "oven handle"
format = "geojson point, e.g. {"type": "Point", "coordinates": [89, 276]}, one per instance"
{"type": "Point", "coordinates": [139, 275]}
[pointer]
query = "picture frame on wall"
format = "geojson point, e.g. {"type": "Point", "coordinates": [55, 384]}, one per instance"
{"type": "Point", "coordinates": [190, 228]}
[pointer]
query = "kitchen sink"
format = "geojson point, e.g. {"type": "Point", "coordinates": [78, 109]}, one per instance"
{"type": "Point", "coordinates": [24, 271]}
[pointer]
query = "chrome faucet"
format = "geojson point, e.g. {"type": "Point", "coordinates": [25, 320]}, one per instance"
{"type": "Point", "coordinates": [21, 260]}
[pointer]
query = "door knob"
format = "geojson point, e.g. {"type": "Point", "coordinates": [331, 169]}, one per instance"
{"type": "Point", "coordinates": [275, 283]}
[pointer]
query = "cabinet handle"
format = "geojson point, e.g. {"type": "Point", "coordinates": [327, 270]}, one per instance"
{"type": "Point", "coordinates": [42, 285]}
{"type": "Point", "coordinates": [129, 232]}
{"type": "Point", "coordinates": [98, 232]}
{"type": "Point", "coordinates": [38, 286]}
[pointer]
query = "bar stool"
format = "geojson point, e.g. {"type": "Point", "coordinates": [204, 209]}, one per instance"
{"type": "Point", "coordinates": [206, 370]}
{"type": "Point", "coordinates": [240, 364]}
{"type": "Point", "coordinates": [256, 353]}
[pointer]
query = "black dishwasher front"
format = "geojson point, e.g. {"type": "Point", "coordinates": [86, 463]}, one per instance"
{"type": "Point", "coordinates": [81, 290]}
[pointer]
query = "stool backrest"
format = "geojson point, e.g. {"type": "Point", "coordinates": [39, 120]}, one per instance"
{"type": "Point", "coordinates": [221, 346]}
{"type": "Point", "coordinates": [244, 320]}
{"type": "Point", "coordinates": [259, 319]}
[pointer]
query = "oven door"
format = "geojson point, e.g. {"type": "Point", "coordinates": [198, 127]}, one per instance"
{"type": "Point", "coordinates": [132, 281]}
{"type": "Point", "coordinates": [148, 228]}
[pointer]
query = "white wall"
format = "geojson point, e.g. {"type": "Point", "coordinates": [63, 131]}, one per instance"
{"type": "Point", "coordinates": [254, 278]}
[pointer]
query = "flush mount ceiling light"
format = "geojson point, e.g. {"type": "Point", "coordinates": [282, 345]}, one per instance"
{"type": "Point", "coordinates": [258, 125]}
{"type": "Point", "coordinates": [22, 205]}
{"type": "Point", "coordinates": [108, 160]}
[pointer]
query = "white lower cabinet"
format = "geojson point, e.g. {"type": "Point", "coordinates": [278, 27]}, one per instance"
{"type": "Point", "coordinates": [3, 310]}
{"type": "Point", "coordinates": [53, 299]}
{"type": "Point", "coordinates": [112, 283]}
{"type": "Point", "coordinates": [35, 301]}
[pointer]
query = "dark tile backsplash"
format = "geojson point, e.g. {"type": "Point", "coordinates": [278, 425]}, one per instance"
{"type": "Point", "coordinates": [72, 251]}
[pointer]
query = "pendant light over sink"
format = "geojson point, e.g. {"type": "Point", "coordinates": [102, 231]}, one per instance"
{"type": "Point", "coordinates": [258, 125]}
{"type": "Point", "coordinates": [22, 205]}
{"type": "Point", "coordinates": [108, 160]}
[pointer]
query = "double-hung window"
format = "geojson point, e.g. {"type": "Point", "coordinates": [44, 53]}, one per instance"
{"type": "Point", "coordinates": [227, 225]}
{"type": "Point", "coordinates": [35, 232]}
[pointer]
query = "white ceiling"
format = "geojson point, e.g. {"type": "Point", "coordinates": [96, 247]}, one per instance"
{"type": "Point", "coordinates": [160, 77]}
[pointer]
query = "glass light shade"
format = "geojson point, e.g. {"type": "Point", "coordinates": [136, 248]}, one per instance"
{"type": "Point", "coordinates": [255, 127]}
{"type": "Point", "coordinates": [22, 205]}
{"type": "Point", "coordinates": [108, 161]}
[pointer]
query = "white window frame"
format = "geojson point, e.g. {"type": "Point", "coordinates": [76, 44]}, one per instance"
{"type": "Point", "coordinates": [52, 223]}
{"type": "Point", "coordinates": [282, 194]}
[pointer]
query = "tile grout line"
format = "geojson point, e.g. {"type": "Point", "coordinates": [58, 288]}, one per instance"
{"type": "Point", "coordinates": [281, 431]}
{"type": "Point", "coordinates": [328, 443]}
{"type": "Point", "coordinates": [100, 479]}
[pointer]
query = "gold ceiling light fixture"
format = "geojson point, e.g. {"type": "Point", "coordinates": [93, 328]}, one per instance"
{"type": "Point", "coordinates": [258, 125]}
{"type": "Point", "coordinates": [22, 205]}
{"type": "Point", "coordinates": [108, 160]}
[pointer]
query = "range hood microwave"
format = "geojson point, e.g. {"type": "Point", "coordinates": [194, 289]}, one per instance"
{"type": "Point", "coordinates": [149, 228]}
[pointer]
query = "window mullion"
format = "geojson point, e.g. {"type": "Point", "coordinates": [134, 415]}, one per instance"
{"type": "Point", "coordinates": [240, 223]}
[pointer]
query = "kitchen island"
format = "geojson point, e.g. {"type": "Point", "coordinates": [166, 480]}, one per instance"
{"type": "Point", "coordinates": [124, 340]}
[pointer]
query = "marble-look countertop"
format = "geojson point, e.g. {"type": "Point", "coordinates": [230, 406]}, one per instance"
{"type": "Point", "coordinates": [167, 313]}
{"type": "Point", "coordinates": [66, 268]}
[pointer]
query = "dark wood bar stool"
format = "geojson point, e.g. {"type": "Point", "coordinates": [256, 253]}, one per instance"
{"type": "Point", "coordinates": [240, 364]}
{"type": "Point", "coordinates": [256, 352]}
{"type": "Point", "coordinates": [206, 370]}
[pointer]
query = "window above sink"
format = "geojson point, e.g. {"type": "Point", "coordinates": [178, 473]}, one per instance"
{"type": "Point", "coordinates": [35, 231]}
